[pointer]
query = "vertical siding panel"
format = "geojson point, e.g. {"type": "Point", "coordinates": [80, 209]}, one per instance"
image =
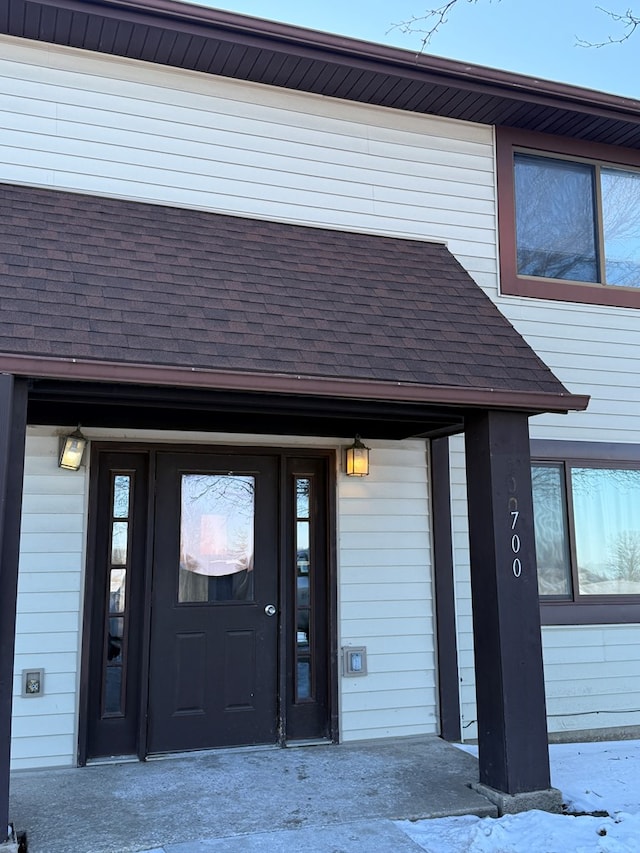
{"type": "Point", "coordinates": [385, 595]}
{"type": "Point", "coordinates": [49, 606]}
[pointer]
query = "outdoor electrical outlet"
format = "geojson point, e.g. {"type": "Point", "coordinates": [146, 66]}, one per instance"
{"type": "Point", "coordinates": [32, 682]}
{"type": "Point", "coordinates": [354, 660]}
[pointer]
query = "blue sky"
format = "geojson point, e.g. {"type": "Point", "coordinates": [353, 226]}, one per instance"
{"type": "Point", "coordinates": [534, 37]}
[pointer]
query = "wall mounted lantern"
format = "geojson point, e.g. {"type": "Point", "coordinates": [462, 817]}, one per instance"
{"type": "Point", "coordinates": [357, 459]}
{"type": "Point", "coordinates": [72, 449]}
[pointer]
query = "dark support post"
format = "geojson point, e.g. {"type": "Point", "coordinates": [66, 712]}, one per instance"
{"type": "Point", "coordinates": [444, 582]}
{"type": "Point", "coordinates": [512, 726]}
{"type": "Point", "coordinates": [13, 423]}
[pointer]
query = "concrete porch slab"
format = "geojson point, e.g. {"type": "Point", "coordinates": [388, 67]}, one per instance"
{"type": "Point", "coordinates": [219, 796]}
{"type": "Point", "coordinates": [355, 837]}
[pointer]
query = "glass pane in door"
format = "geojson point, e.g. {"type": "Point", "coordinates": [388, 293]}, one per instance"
{"type": "Point", "coordinates": [116, 621]}
{"type": "Point", "coordinates": [304, 580]}
{"type": "Point", "coordinates": [216, 538]}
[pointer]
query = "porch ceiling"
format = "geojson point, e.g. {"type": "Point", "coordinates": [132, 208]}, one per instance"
{"type": "Point", "coordinates": [114, 405]}
{"type": "Point", "coordinates": [116, 291]}
{"type": "Point", "coordinates": [213, 41]}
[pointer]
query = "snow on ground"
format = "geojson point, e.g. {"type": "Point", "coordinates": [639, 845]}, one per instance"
{"type": "Point", "coordinates": [593, 777]}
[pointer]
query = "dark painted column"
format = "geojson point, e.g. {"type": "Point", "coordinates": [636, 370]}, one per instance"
{"type": "Point", "coordinates": [512, 725]}
{"type": "Point", "coordinates": [444, 582]}
{"type": "Point", "coordinates": [13, 421]}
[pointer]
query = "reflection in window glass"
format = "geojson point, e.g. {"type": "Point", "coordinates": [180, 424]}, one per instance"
{"type": "Point", "coordinates": [550, 520]}
{"type": "Point", "coordinates": [304, 680]}
{"type": "Point", "coordinates": [606, 506]}
{"type": "Point", "coordinates": [555, 219]}
{"type": "Point", "coordinates": [121, 489]}
{"type": "Point", "coordinates": [304, 591]}
{"type": "Point", "coordinates": [117, 590]}
{"type": "Point", "coordinates": [119, 535]}
{"type": "Point", "coordinates": [116, 635]}
{"type": "Point", "coordinates": [115, 655]}
{"type": "Point", "coordinates": [302, 497]}
{"type": "Point", "coordinates": [621, 222]}
{"type": "Point", "coordinates": [216, 537]}
{"type": "Point", "coordinates": [303, 537]}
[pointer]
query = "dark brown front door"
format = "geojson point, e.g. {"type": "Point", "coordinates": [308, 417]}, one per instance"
{"type": "Point", "coordinates": [214, 619]}
{"type": "Point", "coordinates": [208, 604]}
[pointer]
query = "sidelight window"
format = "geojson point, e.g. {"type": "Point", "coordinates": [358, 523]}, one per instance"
{"type": "Point", "coordinates": [115, 657]}
{"type": "Point", "coordinates": [304, 579]}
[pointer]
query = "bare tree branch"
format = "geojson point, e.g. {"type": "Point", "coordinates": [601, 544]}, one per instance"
{"type": "Point", "coordinates": [629, 21]}
{"type": "Point", "coordinates": [428, 24]}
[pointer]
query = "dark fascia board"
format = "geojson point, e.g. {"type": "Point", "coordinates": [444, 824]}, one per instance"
{"type": "Point", "coordinates": [533, 402]}
{"type": "Point", "coordinates": [353, 53]}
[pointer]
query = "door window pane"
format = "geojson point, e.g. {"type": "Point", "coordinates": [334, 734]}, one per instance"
{"type": "Point", "coordinates": [121, 490]}
{"type": "Point", "coordinates": [302, 497]}
{"type": "Point", "coordinates": [117, 590]}
{"type": "Point", "coordinates": [551, 535]}
{"type": "Point", "coordinates": [115, 657]}
{"type": "Point", "coordinates": [606, 507]}
{"type": "Point", "coordinates": [555, 219]}
{"type": "Point", "coordinates": [116, 636]}
{"type": "Point", "coordinates": [119, 535]}
{"type": "Point", "coordinates": [304, 590]}
{"type": "Point", "coordinates": [216, 538]}
{"type": "Point", "coordinates": [621, 222]}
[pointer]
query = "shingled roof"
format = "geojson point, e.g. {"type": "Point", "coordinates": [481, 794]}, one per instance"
{"type": "Point", "coordinates": [101, 280]}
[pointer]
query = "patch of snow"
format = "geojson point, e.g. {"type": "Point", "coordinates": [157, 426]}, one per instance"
{"type": "Point", "coordinates": [592, 777]}
{"type": "Point", "coordinates": [529, 832]}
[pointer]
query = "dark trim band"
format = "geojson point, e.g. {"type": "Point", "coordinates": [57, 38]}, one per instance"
{"type": "Point", "coordinates": [104, 371]}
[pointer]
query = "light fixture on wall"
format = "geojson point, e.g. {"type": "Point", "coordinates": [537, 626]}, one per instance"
{"type": "Point", "coordinates": [72, 449]}
{"type": "Point", "coordinates": [357, 459]}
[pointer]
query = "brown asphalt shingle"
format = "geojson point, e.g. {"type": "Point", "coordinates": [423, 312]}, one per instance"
{"type": "Point", "coordinates": [98, 278]}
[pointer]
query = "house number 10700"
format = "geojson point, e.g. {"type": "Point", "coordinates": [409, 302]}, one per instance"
{"type": "Point", "coordinates": [516, 565]}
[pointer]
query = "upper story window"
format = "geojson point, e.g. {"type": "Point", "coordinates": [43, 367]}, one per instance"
{"type": "Point", "coordinates": [569, 218]}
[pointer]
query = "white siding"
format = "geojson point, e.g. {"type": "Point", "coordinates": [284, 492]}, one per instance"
{"type": "Point", "coordinates": [78, 121]}
{"type": "Point", "coordinates": [592, 675]}
{"type": "Point", "coordinates": [49, 606]}
{"type": "Point", "coordinates": [386, 595]}
{"type": "Point", "coordinates": [594, 350]}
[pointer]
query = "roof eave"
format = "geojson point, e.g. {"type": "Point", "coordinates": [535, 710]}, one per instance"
{"type": "Point", "coordinates": [467, 75]}
{"type": "Point", "coordinates": [459, 397]}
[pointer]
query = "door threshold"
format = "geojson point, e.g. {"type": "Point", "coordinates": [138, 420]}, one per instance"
{"type": "Point", "coordinates": [220, 750]}
{"type": "Point", "coordinates": [112, 759]}
{"type": "Point", "coordinates": [321, 741]}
